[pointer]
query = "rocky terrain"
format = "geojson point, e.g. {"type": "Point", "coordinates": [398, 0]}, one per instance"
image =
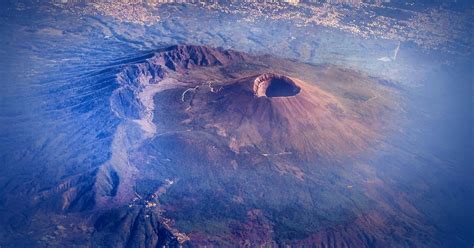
{"type": "Point", "coordinates": [231, 146]}
{"type": "Point", "coordinates": [294, 134]}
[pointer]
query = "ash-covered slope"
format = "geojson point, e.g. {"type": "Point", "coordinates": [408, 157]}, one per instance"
{"type": "Point", "coordinates": [218, 147]}
{"type": "Point", "coordinates": [278, 114]}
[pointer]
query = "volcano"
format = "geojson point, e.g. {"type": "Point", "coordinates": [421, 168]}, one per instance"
{"type": "Point", "coordinates": [276, 114]}
{"type": "Point", "coordinates": [218, 147]}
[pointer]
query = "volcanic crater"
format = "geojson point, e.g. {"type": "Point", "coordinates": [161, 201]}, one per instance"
{"type": "Point", "coordinates": [272, 85]}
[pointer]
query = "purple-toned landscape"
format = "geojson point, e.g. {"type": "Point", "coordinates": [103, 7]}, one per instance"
{"type": "Point", "coordinates": [141, 123]}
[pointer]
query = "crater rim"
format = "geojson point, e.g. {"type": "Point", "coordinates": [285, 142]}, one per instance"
{"type": "Point", "coordinates": [275, 85]}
